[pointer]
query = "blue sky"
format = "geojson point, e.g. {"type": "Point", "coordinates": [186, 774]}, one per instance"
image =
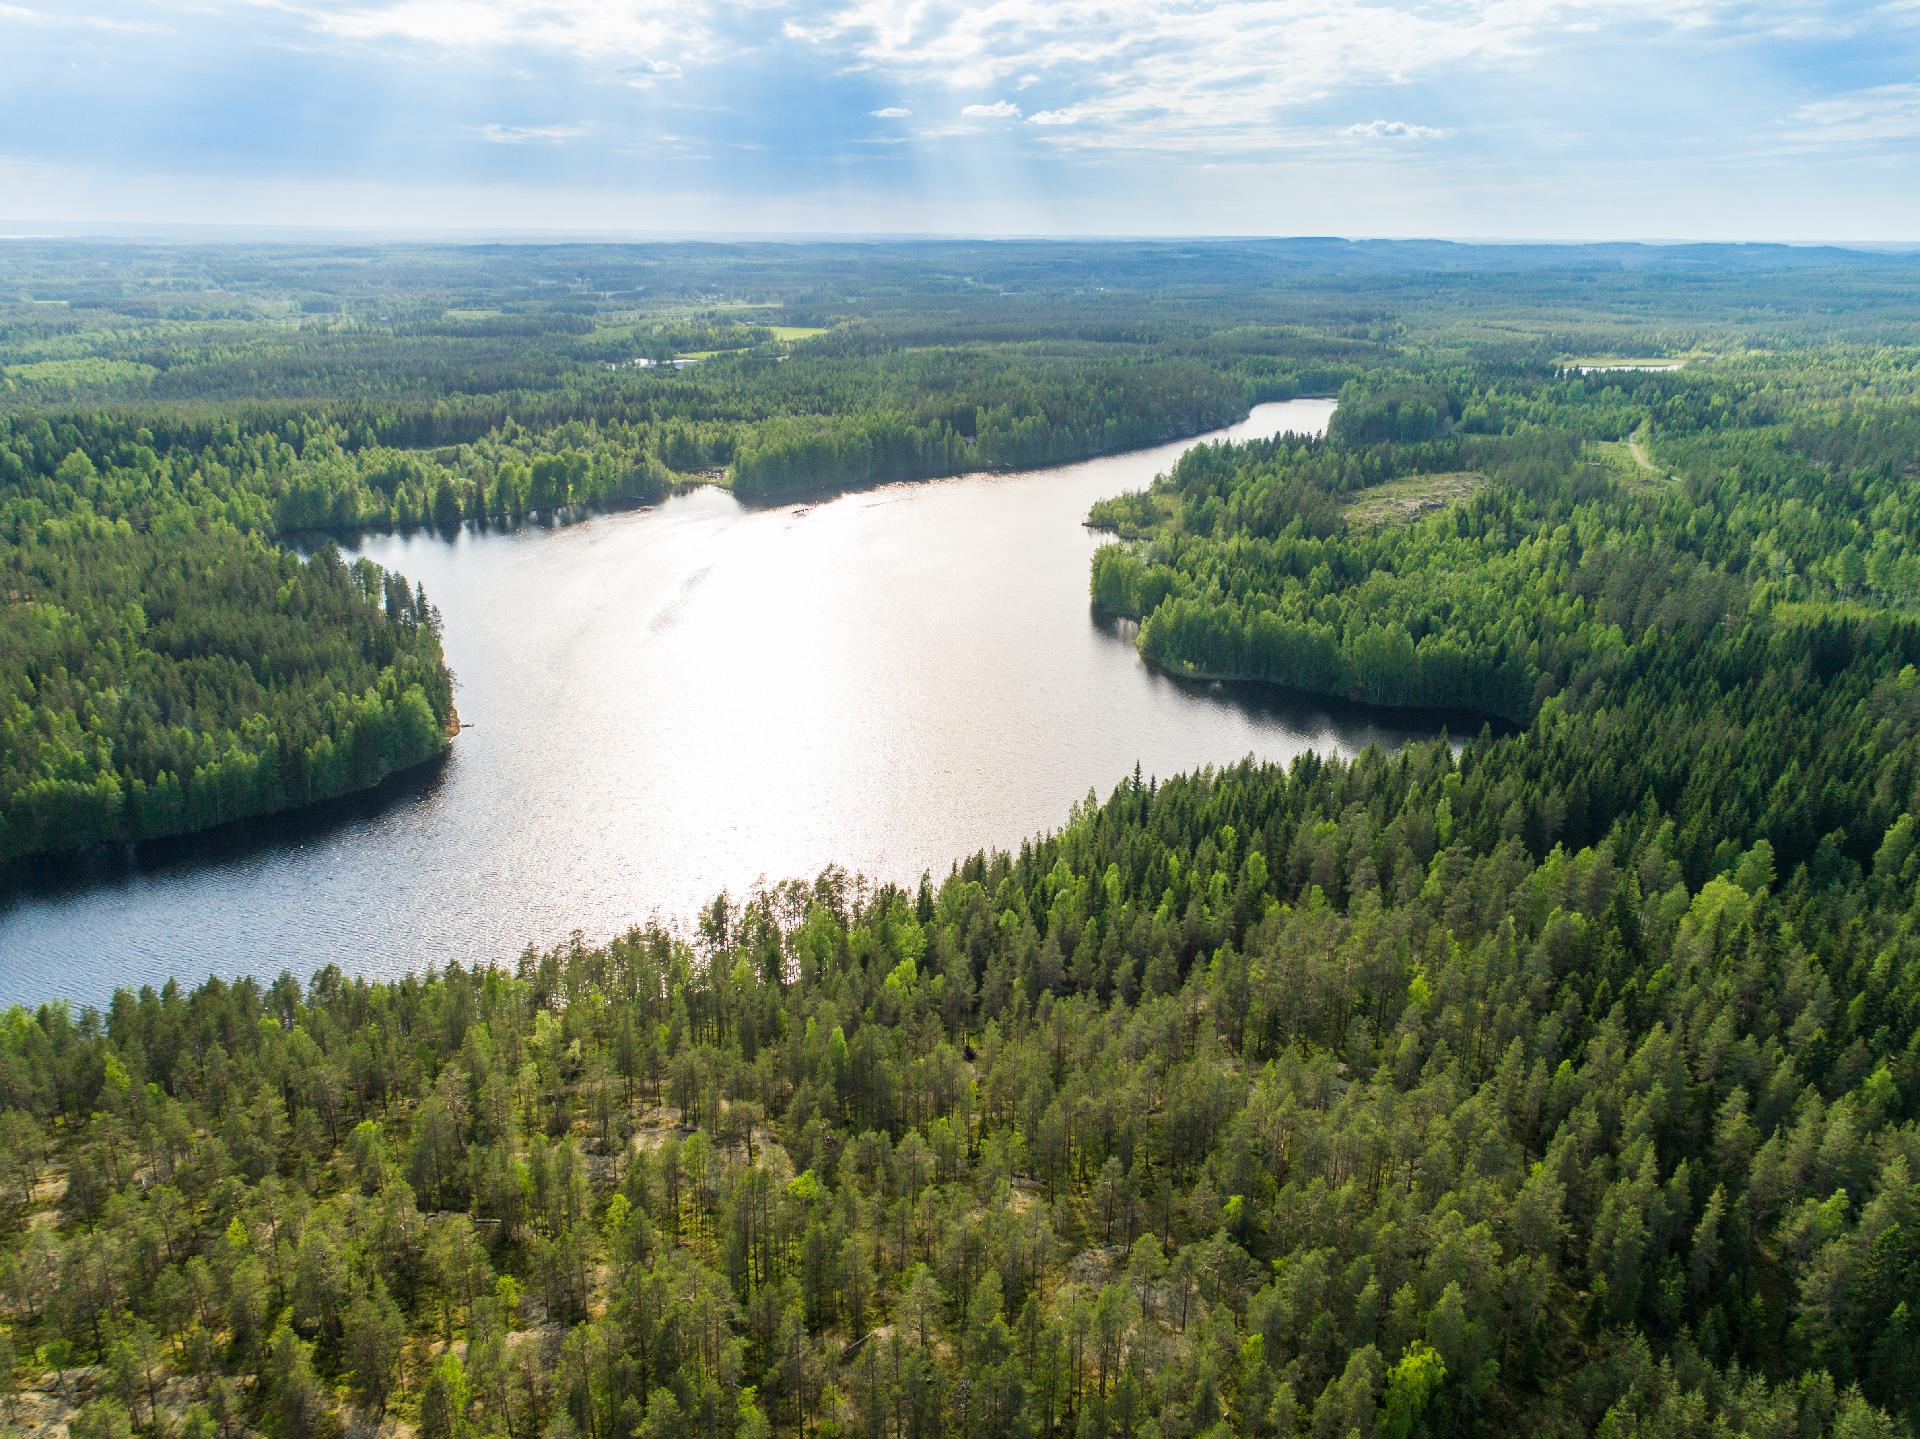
{"type": "Point", "coordinates": [1703, 119]}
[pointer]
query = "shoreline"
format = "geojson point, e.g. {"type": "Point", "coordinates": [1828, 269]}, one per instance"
{"type": "Point", "coordinates": [70, 869]}
{"type": "Point", "coordinates": [1472, 720]}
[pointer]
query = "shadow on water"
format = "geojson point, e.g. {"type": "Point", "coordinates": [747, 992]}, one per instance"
{"type": "Point", "coordinates": [261, 838]}
{"type": "Point", "coordinates": [307, 542]}
{"type": "Point", "coordinates": [1386, 725]}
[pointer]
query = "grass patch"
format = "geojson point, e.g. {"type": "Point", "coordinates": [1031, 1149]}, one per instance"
{"type": "Point", "coordinates": [1616, 457]}
{"type": "Point", "coordinates": [796, 332]}
{"type": "Point", "coordinates": [1630, 461]}
{"type": "Point", "coordinates": [1402, 501]}
{"type": "Point", "coordinates": [87, 371]}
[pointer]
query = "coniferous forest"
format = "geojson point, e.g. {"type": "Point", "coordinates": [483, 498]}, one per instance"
{"type": "Point", "coordinates": [1563, 1082]}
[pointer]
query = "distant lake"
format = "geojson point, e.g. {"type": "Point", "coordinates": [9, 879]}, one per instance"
{"type": "Point", "coordinates": [668, 702]}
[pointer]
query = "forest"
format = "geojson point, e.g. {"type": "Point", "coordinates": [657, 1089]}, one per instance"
{"type": "Point", "coordinates": [165, 668]}
{"type": "Point", "coordinates": [1778, 505]}
{"type": "Point", "coordinates": [1566, 1081]}
{"type": "Point", "coordinates": [158, 684]}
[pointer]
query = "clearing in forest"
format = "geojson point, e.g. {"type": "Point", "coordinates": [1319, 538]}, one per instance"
{"type": "Point", "coordinates": [1402, 501]}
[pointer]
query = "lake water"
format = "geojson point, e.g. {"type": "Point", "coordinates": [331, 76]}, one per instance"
{"type": "Point", "coordinates": [668, 702]}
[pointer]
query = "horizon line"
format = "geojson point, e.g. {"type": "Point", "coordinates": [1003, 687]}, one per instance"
{"type": "Point", "coordinates": [173, 232]}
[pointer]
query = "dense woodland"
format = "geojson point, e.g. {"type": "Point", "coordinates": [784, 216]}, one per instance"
{"type": "Point", "coordinates": [1565, 1083]}
{"type": "Point", "coordinates": [164, 669]}
{"type": "Point", "coordinates": [1780, 502]}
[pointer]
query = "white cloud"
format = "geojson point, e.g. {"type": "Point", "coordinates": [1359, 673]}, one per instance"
{"type": "Point", "coordinates": [1229, 77]}
{"type": "Point", "coordinates": [891, 112]}
{"type": "Point", "coordinates": [1217, 75]}
{"type": "Point", "coordinates": [1886, 113]}
{"type": "Point", "coordinates": [107, 24]}
{"type": "Point", "coordinates": [1392, 130]}
{"type": "Point", "coordinates": [645, 74]}
{"type": "Point", "coordinates": [530, 134]}
{"type": "Point", "coordinates": [600, 29]}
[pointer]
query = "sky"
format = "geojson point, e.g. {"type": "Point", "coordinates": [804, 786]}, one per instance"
{"type": "Point", "coordinates": [1519, 119]}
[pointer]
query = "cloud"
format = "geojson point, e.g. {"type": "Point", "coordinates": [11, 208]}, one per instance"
{"type": "Point", "coordinates": [1047, 111]}
{"type": "Point", "coordinates": [530, 134]}
{"type": "Point", "coordinates": [1223, 75]}
{"type": "Point", "coordinates": [1234, 78]}
{"type": "Point", "coordinates": [107, 24]}
{"type": "Point", "coordinates": [1881, 115]}
{"type": "Point", "coordinates": [645, 74]}
{"type": "Point", "coordinates": [1392, 130]}
{"type": "Point", "coordinates": [593, 29]}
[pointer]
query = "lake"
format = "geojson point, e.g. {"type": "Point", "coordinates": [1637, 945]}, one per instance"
{"type": "Point", "coordinates": [667, 702]}
{"type": "Point", "coordinates": [1646, 366]}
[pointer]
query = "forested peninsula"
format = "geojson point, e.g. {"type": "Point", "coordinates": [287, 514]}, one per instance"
{"type": "Point", "coordinates": [1566, 1082]}
{"type": "Point", "coordinates": [1486, 538]}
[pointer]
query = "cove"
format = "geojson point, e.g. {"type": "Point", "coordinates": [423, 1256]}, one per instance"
{"type": "Point", "coordinates": [670, 702]}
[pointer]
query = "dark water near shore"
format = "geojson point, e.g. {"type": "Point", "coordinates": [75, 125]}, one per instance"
{"type": "Point", "coordinates": [670, 702]}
